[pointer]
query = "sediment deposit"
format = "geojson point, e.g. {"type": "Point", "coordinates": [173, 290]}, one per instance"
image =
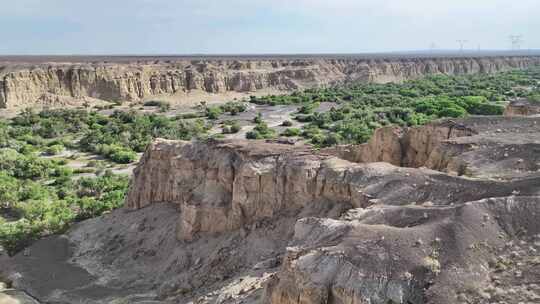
{"type": "Point", "coordinates": [23, 85]}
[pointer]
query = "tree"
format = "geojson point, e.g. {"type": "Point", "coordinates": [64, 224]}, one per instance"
{"type": "Point", "coordinates": [9, 190]}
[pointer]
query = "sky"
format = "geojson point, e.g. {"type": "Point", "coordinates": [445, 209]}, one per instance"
{"type": "Point", "coordinates": [262, 26]}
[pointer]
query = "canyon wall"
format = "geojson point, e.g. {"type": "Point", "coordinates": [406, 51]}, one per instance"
{"type": "Point", "coordinates": [25, 85]}
{"type": "Point", "coordinates": [222, 186]}
{"type": "Point", "coordinates": [408, 147]}
{"type": "Point", "coordinates": [361, 232]}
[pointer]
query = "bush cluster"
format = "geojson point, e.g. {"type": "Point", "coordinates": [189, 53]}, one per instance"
{"type": "Point", "coordinates": [261, 131]}
{"type": "Point", "coordinates": [361, 108]}
{"type": "Point", "coordinates": [231, 127]}
{"type": "Point", "coordinates": [44, 198]}
{"type": "Point", "coordinates": [231, 107]}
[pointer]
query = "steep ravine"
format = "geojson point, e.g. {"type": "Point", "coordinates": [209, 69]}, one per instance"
{"type": "Point", "coordinates": [25, 85]}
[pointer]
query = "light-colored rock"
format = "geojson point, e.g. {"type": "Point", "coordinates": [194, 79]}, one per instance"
{"type": "Point", "coordinates": [409, 147]}
{"type": "Point", "coordinates": [16, 297]}
{"type": "Point", "coordinates": [26, 85]}
{"type": "Point", "coordinates": [226, 185]}
{"type": "Point", "coordinates": [522, 107]}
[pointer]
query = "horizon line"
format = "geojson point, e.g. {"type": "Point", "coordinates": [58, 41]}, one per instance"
{"type": "Point", "coordinates": [420, 51]}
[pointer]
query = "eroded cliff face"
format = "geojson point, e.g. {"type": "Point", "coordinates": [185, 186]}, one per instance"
{"type": "Point", "coordinates": [522, 107]}
{"type": "Point", "coordinates": [27, 85]}
{"type": "Point", "coordinates": [366, 232]}
{"type": "Point", "coordinates": [408, 147]}
{"type": "Point", "coordinates": [222, 186]}
{"type": "Point", "coordinates": [486, 147]}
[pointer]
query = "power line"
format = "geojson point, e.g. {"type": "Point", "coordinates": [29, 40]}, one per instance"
{"type": "Point", "coordinates": [462, 44]}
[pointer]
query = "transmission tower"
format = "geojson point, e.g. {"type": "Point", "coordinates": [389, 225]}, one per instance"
{"type": "Point", "coordinates": [516, 41]}
{"type": "Point", "coordinates": [432, 47]}
{"type": "Point", "coordinates": [462, 44]}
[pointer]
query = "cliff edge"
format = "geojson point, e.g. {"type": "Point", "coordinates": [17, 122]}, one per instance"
{"type": "Point", "coordinates": [184, 81]}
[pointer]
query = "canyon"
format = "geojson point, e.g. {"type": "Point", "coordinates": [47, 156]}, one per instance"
{"type": "Point", "coordinates": [183, 81]}
{"type": "Point", "coordinates": [440, 213]}
{"type": "Point", "coordinates": [450, 216]}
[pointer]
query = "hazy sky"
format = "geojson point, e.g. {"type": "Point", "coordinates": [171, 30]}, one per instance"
{"type": "Point", "coordinates": [261, 26]}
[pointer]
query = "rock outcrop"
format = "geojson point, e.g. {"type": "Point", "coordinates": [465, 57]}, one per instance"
{"type": "Point", "coordinates": [487, 147]}
{"type": "Point", "coordinates": [412, 255]}
{"type": "Point", "coordinates": [408, 147]}
{"type": "Point", "coordinates": [522, 107]}
{"type": "Point", "coordinates": [223, 186]}
{"type": "Point", "coordinates": [25, 85]}
{"type": "Point", "coordinates": [230, 221]}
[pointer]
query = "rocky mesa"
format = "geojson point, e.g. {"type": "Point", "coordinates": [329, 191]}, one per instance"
{"type": "Point", "coordinates": [23, 85]}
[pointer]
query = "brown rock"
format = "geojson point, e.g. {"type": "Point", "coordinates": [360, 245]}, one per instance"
{"type": "Point", "coordinates": [23, 85]}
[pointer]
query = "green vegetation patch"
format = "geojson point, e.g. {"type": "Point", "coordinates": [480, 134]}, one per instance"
{"type": "Point", "coordinates": [361, 108]}
{"type": "Point", "coordinates": [41, 197]}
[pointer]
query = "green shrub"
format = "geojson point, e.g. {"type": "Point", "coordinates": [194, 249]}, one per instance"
{"type": "Point", "coordinates": [16, 235]}
{"type": "Point", "coordinates": [231, 127]}
{"type": "Point", "coordinates": [289, 132]}
{"type": "Point", "coordinates": [9, 190]}
{"type": "Point", "coordinates": [254, 135]}
{"type": "Point", "coordinates": [308, 108]}
{"type": "Point", "coordinates": [122, 156]}
{"type": "Point", "coordinates": [235, 128]}
{"type": "Point", "coordinates": [117, 153]}
{"type": "Point", "coordinates": [25, 166]}
{"type": "Point", "coordinates": [213, 112]}
{"type": "Point", "coordinates": [54, 150]}
{"type": "Point", "coordinates": [34, 191]}
{"type": "Point", "coordinates": [62, 171]}
{"type": "Point", "coordinates": [90, 207]}
{"type": "Point", "coordinates": [233, 107]}
{"type": "Point", "coordinates": [258, 118]}
{"type": "Point", "coordinates": [155, 103]}
{"type": "Point", "coordinates": [303, 118]}
{"type": "Point", "coordinates": [263, 129]}
{"type": "Point", "coordinates": [331, 140]}
{"type": "Point", "coordinates": [84, 170]}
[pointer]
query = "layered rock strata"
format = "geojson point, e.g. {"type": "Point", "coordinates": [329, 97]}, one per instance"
{"type": "Point", "coordinates": [488, 147]}
{"type": "Point", "coordinates": [256, 222]}
{"type": "Point", "coordinates": [223, 186]}
{"type": "Point", "coordinates": [522, 107]}
{"type": "Point", "coordinates": [407, 147]}
{"type": "Point", "coordinates": [25, 85]}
